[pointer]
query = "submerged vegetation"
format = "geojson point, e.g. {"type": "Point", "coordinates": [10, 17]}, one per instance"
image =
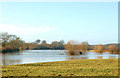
{"type": "Point", "coordinates": [76, 48]}
{"type": "Point", "coordinates": [90, 67]}
{"type": "Point", "coordinates": [99, 48]}
{"type": "Point", "coordinates": [107, 48]}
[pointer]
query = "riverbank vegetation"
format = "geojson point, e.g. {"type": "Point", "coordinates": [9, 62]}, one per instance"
{"type": "Point", "coordinates": [10, 43]}
{"type": "Point", "coordinates": [107, 48]}
{"type": "Point", "coordinates": [76, 47]}
{"type": "Point", "coordinates": [88, 67]}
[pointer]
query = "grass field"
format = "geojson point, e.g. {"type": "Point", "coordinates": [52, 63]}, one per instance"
{"type": "Point", "coordinates": [89, 67]}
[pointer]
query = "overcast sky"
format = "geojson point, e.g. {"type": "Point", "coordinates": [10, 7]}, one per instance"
{"type": "Point", "coordinates": [95, 22]}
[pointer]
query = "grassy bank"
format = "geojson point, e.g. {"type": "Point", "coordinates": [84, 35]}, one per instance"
{"type": "Point", "coordinates": [93, 67]}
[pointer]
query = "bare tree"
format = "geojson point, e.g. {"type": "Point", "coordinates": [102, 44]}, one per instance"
{"type": "Point", "coordinates": [98, 48]}
{"type": "Point", "coordinates": [10, 42]}
{"type": "Point", "coordinates": [76, 48]}
{"type": "Point", "coordinates": [84, 46]}
{"type": "Point", "coordinates": [112, 48]}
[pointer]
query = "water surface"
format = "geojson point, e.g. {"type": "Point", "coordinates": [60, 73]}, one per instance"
{"type": "Point", "coordinates": [33, 56]}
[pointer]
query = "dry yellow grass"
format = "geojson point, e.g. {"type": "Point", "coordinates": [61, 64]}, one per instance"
{"type": "Point", "coordinates": [90, 67]}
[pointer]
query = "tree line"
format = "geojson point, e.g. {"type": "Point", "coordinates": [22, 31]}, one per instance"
{"type": "Point", "coordinates": [10, 43]}
{"type": "Point", "coordinates": [107, 48]}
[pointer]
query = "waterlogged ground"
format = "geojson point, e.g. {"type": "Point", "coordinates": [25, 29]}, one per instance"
{"type": "Point", "coordinates": [86, 67]}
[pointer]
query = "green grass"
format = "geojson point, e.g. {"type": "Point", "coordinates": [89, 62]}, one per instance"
{"type": "Point", "coordinates": [90, 67]}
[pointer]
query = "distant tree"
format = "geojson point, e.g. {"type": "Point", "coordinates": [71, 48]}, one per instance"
{"type": "Point", "coordinates": [112, 48]}
{"type": "Point", "coordinates": [85, 43]}
{"type": "Point", "coordinates": [43, 45]}
{"type": "Point", "coordinates": [54, 45]}
{"type": "Point", "coordinates": [84, 46]}
{"type": "Point", "coordinates": [24, 46]}
{"type": "Point", "coordinates": [44, 42]}
{"type": "Point", "coordinates": [38, 41]}
{"type": "Point", "coordinates": [61, 44]}
{"type": "Point", "coordinates": [99, 48]}
{"type": "Point", "coordinates": [32, 45]}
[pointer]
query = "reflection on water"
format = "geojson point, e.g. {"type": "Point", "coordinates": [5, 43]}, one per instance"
{"type": "Point", "coordinates": [110, 57]}
{"type": "Point", "coordinates": [33, 56]}
{"type": "Point", "coordinates": [76, 58]}
{"type": "Point", "coordinates": [7, 61]}
{"type": "Point", "coordinates": [99, 57]}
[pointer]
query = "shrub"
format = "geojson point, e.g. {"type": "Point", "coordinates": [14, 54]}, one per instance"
{"type": "Point", "coordinates": [98, 48]}
{"type": "Point", "coordinates": [76, 48]}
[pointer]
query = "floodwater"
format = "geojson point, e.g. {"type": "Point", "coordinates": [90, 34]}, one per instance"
{"type": "Point", "coordinates": [34, 56]}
